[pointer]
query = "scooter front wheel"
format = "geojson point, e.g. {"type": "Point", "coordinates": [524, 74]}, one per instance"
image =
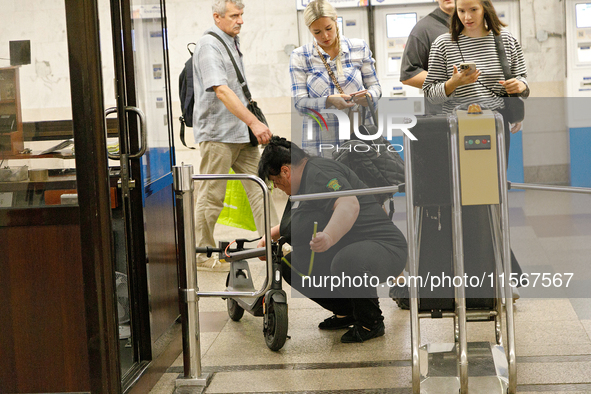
{"type": "Point", "coordinates": [235, 311]}
{"type": "Point", "coordinates": [276, 326]}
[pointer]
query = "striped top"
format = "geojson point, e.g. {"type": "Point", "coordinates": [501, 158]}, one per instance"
{"type": "Point", "coordinates": [446, 53]}
{"type": "Point", "coordinates": [311, 85]}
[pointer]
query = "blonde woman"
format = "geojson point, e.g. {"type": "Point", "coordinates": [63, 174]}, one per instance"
{"type": "Point", "coordinates": [326, 73]}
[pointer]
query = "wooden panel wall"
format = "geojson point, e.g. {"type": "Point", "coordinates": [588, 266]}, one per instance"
{"type": "Point", "coordinates": [43, 342]}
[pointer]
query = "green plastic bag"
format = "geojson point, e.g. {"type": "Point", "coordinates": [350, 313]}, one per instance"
{"type": "Point", "coordinates": [236, 211]}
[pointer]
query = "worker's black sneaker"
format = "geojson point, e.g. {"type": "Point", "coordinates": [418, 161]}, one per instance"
{"type": "Point", "coordinates": [336, 323]}
{"type": "Point", "coordinates": [400, 296]}
{"type": "Point", "coordinates": [358, 333]}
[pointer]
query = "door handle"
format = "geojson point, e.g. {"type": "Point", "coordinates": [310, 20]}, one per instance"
{"type": "Point", "coordinates": [143, 134]}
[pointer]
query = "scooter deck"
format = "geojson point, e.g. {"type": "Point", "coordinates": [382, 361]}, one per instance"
{"type": "Point", "coordinates": [240, 279]}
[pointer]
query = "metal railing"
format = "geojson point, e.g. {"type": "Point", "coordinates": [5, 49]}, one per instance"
{"type": "Point", "coordinates": [188, 287]}
{"type": "Point", "coordinates": [549, 188]}
{"type": "Point", "coordinates": [506, 242]}
{"type": "Point", "coordinates": [347, 193]}
{"type": "Point", "coordinates": [189, 292]}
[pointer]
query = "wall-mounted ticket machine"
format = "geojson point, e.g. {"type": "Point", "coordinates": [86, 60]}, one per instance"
{"type": "Point", "coordinates": [393, 22]}
{"type": "Point", "coordinates": [578, 89]}
{"type": "Point", "coordinates": [578, 36]}
{"type": "Point", "coordinates": [352, 19]}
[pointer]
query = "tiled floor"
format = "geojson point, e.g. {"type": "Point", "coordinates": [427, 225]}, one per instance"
{"type": "Point", "coordinates": [550, 232]}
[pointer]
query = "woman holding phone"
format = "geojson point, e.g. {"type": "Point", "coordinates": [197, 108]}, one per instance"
{"type": "Point", "coordinates": [465, 67]}
{"type": "Point", "coordinates": [464, 64]}
{"type": "Point", "coordinates": [332, 72]}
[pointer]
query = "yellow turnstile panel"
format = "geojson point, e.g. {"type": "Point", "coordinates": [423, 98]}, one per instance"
{"type": "Point", "coordinates": [479, 181]}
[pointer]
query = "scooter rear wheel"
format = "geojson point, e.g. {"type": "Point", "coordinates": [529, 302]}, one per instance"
{"type": "Point", "coordinates": [276, 329]}
{"type": "Point", "coordinates": [235, 311]}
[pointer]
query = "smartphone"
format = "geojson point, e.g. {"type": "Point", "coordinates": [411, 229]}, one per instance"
{"type": "Point", "coordinates": [468, 67]}
{"type": "Point", "coordinates": [359, 93]}
{"type": "Point", "coordinates": [356, 94]}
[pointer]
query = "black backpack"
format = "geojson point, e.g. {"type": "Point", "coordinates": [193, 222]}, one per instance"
{"type": "Point", "coordinates": [375, 162]}
{"type": "Point", "coordinates": [187, 95]}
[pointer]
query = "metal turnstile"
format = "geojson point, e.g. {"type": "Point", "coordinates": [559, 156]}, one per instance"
{"type": "Point", "coordinates": [460, 164]}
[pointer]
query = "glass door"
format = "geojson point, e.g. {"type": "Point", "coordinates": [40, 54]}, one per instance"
{"type": "Point", "coordinates": [141, 160]}
{"type": "Point", "coordinates": [58, 182]}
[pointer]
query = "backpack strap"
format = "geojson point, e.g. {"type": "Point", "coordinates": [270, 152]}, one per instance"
{"type": "Point", "coordinates": [500, 47]}
{"type": "Point", "coordinates": [505, 65]}
{"type": "Point", "coordinates": [183, 133]}
{"type": "Point", "coordinates": [238, 73]}
{"type": "Point", "coordinates": [188, 86]}
{"type": "Point", "coordinates": [439, 19]}
{"type": "Point", "coordinates": [189, 49]}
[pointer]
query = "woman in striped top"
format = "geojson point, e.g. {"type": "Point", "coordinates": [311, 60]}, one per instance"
{"type": "Point", "coordinates": [471, 40]}
{"type": "Point", "coordinates": [474, 24]}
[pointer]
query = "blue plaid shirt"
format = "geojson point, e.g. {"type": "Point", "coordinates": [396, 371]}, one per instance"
{"type": "Point", "coordinates": [311, 85]}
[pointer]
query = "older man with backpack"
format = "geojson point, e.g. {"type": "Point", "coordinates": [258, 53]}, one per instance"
{"type": "Point", "coordinates": [222, 121]}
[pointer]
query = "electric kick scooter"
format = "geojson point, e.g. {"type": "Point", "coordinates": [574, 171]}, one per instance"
{"type": "Point", "coordinates": [272, 305]}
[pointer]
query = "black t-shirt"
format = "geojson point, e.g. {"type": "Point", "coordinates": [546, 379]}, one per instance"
{"type": "Point", "coordinates": [416, 52]}
{"type": "Point", "coordinates": [322, 175]}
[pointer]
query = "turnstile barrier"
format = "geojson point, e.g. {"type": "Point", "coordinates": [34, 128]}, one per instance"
{"type": "Point", "coordinates": [463, 159]}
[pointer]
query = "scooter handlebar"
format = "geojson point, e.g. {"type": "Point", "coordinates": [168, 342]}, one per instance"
{"type": "Point", "coordinates": [206, 249]}
{"type": "Point", "coordinates": [233, 254]}
{"type": "Point", "coordinates": [245, 254]}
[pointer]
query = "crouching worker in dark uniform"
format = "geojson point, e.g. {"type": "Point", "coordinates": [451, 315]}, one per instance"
{"type": "Point", "coordinates": [356, 246]}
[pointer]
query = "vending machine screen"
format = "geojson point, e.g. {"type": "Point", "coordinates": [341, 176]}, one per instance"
{"type": "Point", "coordinates": [583, 13]}
{"type": "Point", "coordinates": [400, 25]}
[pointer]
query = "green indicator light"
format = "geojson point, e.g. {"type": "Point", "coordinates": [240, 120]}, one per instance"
{"type": "Point", "coordinates": [470, 142]}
